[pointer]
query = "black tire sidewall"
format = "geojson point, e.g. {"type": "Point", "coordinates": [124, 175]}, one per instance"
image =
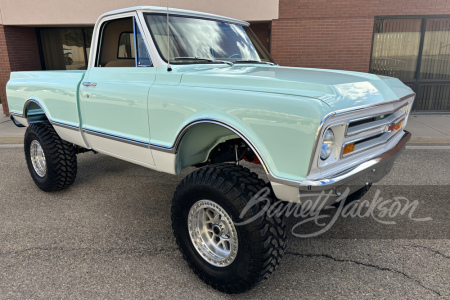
{"type": "Point", "coordinates": [40, 132]}
{"type": "Point", "coordinates": [240, 267]}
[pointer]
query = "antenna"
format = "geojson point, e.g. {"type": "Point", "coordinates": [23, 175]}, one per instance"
{"type": "Point", "coordinates": [168, 40]}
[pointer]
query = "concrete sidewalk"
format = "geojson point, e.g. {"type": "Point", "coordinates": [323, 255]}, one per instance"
{"type": "Point", "coordinates": [429, 128]}
{"type": "Point", "coordinates": [433, 129]}
{"type": "Point", "coordinates": [10, 133]}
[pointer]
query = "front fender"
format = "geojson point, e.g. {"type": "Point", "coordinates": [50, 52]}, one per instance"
{"type": "Point", "coordinates": [281, 128]}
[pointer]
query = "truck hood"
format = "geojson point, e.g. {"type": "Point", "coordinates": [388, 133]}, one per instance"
{"type": "Point", "coordinates": [338, 89]}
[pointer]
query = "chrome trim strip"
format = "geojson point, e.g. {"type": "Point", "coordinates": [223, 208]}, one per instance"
{"type": "Point", "coordinates": [25, 106]}
{"type": "Point", "coordinates": [161, 148]}
{"type": "Point", "coordinates": [368, 106]}
{"type": "Point", "coordinates": [117, 138]}
{"type": "Point", "coordinates": [366, 129]}
{"type": "Point", "coordinates": [65, 125]}
{"type": "Point", "coordinates": [16, 114]}
{"type": "Point", "coordinates": [316, 139]}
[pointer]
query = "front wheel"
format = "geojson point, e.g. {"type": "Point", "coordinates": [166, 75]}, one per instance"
{"type": "Point", "coordinates": [206, 209]}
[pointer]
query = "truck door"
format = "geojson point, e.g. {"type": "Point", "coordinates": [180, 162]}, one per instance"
{"type": "Point", "coordinates": [113, 94]}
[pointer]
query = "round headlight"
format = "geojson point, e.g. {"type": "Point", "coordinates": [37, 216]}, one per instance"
{"type": "Point", "coordinates": [327, 145]}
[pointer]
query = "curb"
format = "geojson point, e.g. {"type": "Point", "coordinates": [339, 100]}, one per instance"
{"type": "Point", "coordinates": [11, 140]}
{"type": "Point", "coordinates": [430, 140]}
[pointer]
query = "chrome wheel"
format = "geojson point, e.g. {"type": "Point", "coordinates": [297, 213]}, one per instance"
{"type": "Point", "coordinates": [38, 158]}
{"type": "Point", "coordinates": [212, 233]}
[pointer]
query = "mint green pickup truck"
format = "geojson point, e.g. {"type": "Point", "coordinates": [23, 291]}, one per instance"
{"type": "Point", "coordinates": [169, 89]}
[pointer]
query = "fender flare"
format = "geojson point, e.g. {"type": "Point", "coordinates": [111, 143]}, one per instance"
{"type": "Point", "coordinates": [186, 128]}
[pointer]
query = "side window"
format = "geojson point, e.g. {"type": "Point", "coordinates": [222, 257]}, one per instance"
{"type": "Point", "coordinates": [143, 58]}
{"type": "Point", "coordinates": [117, 45]}
{"type": "Point", "coordinates": [126, 45]}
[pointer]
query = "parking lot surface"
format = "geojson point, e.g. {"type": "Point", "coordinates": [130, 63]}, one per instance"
{"type": "Point", "coordinates": [109, 236]}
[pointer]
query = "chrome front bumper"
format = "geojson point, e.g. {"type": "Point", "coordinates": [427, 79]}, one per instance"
{"type": "Point", "coordinates": [356, 178]}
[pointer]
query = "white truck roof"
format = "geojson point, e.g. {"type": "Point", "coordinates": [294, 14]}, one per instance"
{"type": "Point", "coordinates": [177, 11]}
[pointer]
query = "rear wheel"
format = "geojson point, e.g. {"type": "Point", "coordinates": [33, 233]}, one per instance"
{"type": "Point", "coordinates": [51, 161]}
{"type": "Point", "coordinates": [205, 215]}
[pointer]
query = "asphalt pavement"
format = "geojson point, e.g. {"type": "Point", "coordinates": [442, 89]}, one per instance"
{"type": "Point", "coordinates": [109, 237]}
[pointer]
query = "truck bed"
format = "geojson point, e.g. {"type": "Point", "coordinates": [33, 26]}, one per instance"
{"type": "Point", "coordinates": [55, 89]}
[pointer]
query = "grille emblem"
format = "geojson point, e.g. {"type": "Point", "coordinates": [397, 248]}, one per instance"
{"type": "Point", "coordinates": [390, 127]}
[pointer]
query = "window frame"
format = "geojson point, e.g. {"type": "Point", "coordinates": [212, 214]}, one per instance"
{"type": "Point", "coordinates": [416, 83]}
{"type": "Point", "coordinates": [164, 59]}
{"type": "Point", "coordinates": [41, 49]}
{"type": "Point", "coordinates": [98, 35]}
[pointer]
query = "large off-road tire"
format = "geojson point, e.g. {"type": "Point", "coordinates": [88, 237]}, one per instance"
{"type": "Point", "coordinates": [230, 257]}
{"type": "Point", "coordinates": [51, 161]}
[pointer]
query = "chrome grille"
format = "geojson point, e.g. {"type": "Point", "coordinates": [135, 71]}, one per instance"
{"type": "Point", "coordinates": [371, 131]}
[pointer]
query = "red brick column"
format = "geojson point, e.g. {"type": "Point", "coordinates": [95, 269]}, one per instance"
{"type": "Point", "coordinates": [4, 70]}
{"type": "Point", "coordinates": [18, 52]}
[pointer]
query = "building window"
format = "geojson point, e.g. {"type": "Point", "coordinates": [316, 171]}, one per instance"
{"type": "Point", "coordinates": [65, 48]}
{"type": "Point", "coordinates": [417, 51]}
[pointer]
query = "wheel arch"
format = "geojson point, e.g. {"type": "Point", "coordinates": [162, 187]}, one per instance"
{"type": "Point", "coordinates": [198, 138]}
{"type": "Point", "coordinates": [34, 111]}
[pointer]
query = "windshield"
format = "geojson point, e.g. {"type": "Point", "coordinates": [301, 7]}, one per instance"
{"type": "Point", "coordinates": [205, 41]}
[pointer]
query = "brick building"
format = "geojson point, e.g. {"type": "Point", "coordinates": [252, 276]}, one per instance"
{"type": "Point", "coordinates": [408, 39]}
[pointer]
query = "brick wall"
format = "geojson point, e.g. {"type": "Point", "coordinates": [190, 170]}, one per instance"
{"type": "Point", "coordinates": [261, 30]}
{"type": "Point", "coordinates": [331, 44]}
{"type": "Point", "coordinates": [18, 52]}
{"type": "Point", "coordinates": [4, 69]}
{"type": "Point", "coordinates": [336, 34]}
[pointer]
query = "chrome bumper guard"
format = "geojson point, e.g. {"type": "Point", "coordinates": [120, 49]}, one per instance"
{"type": "Point", "coordinates": [356, 178]}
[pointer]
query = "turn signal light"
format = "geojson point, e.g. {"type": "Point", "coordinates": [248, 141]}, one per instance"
{"type": "Point", "coordinates": [399, 125]}
{"type": "Point", "coordinates": [348, 148]}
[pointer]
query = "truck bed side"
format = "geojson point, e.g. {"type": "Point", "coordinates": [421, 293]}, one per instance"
{"type": "Point", "coordinates": [49, 94]}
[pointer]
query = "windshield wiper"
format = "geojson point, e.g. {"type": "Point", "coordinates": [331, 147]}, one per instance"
{"type": "Point", "coordinates": [204, 59]}
{"type": "Point", "coordinates": [254, 62]}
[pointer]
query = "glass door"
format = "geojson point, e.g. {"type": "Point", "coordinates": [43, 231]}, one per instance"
{"type": "Point", "coordinates": [417, 51]}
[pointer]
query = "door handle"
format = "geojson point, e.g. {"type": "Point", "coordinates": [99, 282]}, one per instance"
{"type": "Point", "coordinates": [89, 84]}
